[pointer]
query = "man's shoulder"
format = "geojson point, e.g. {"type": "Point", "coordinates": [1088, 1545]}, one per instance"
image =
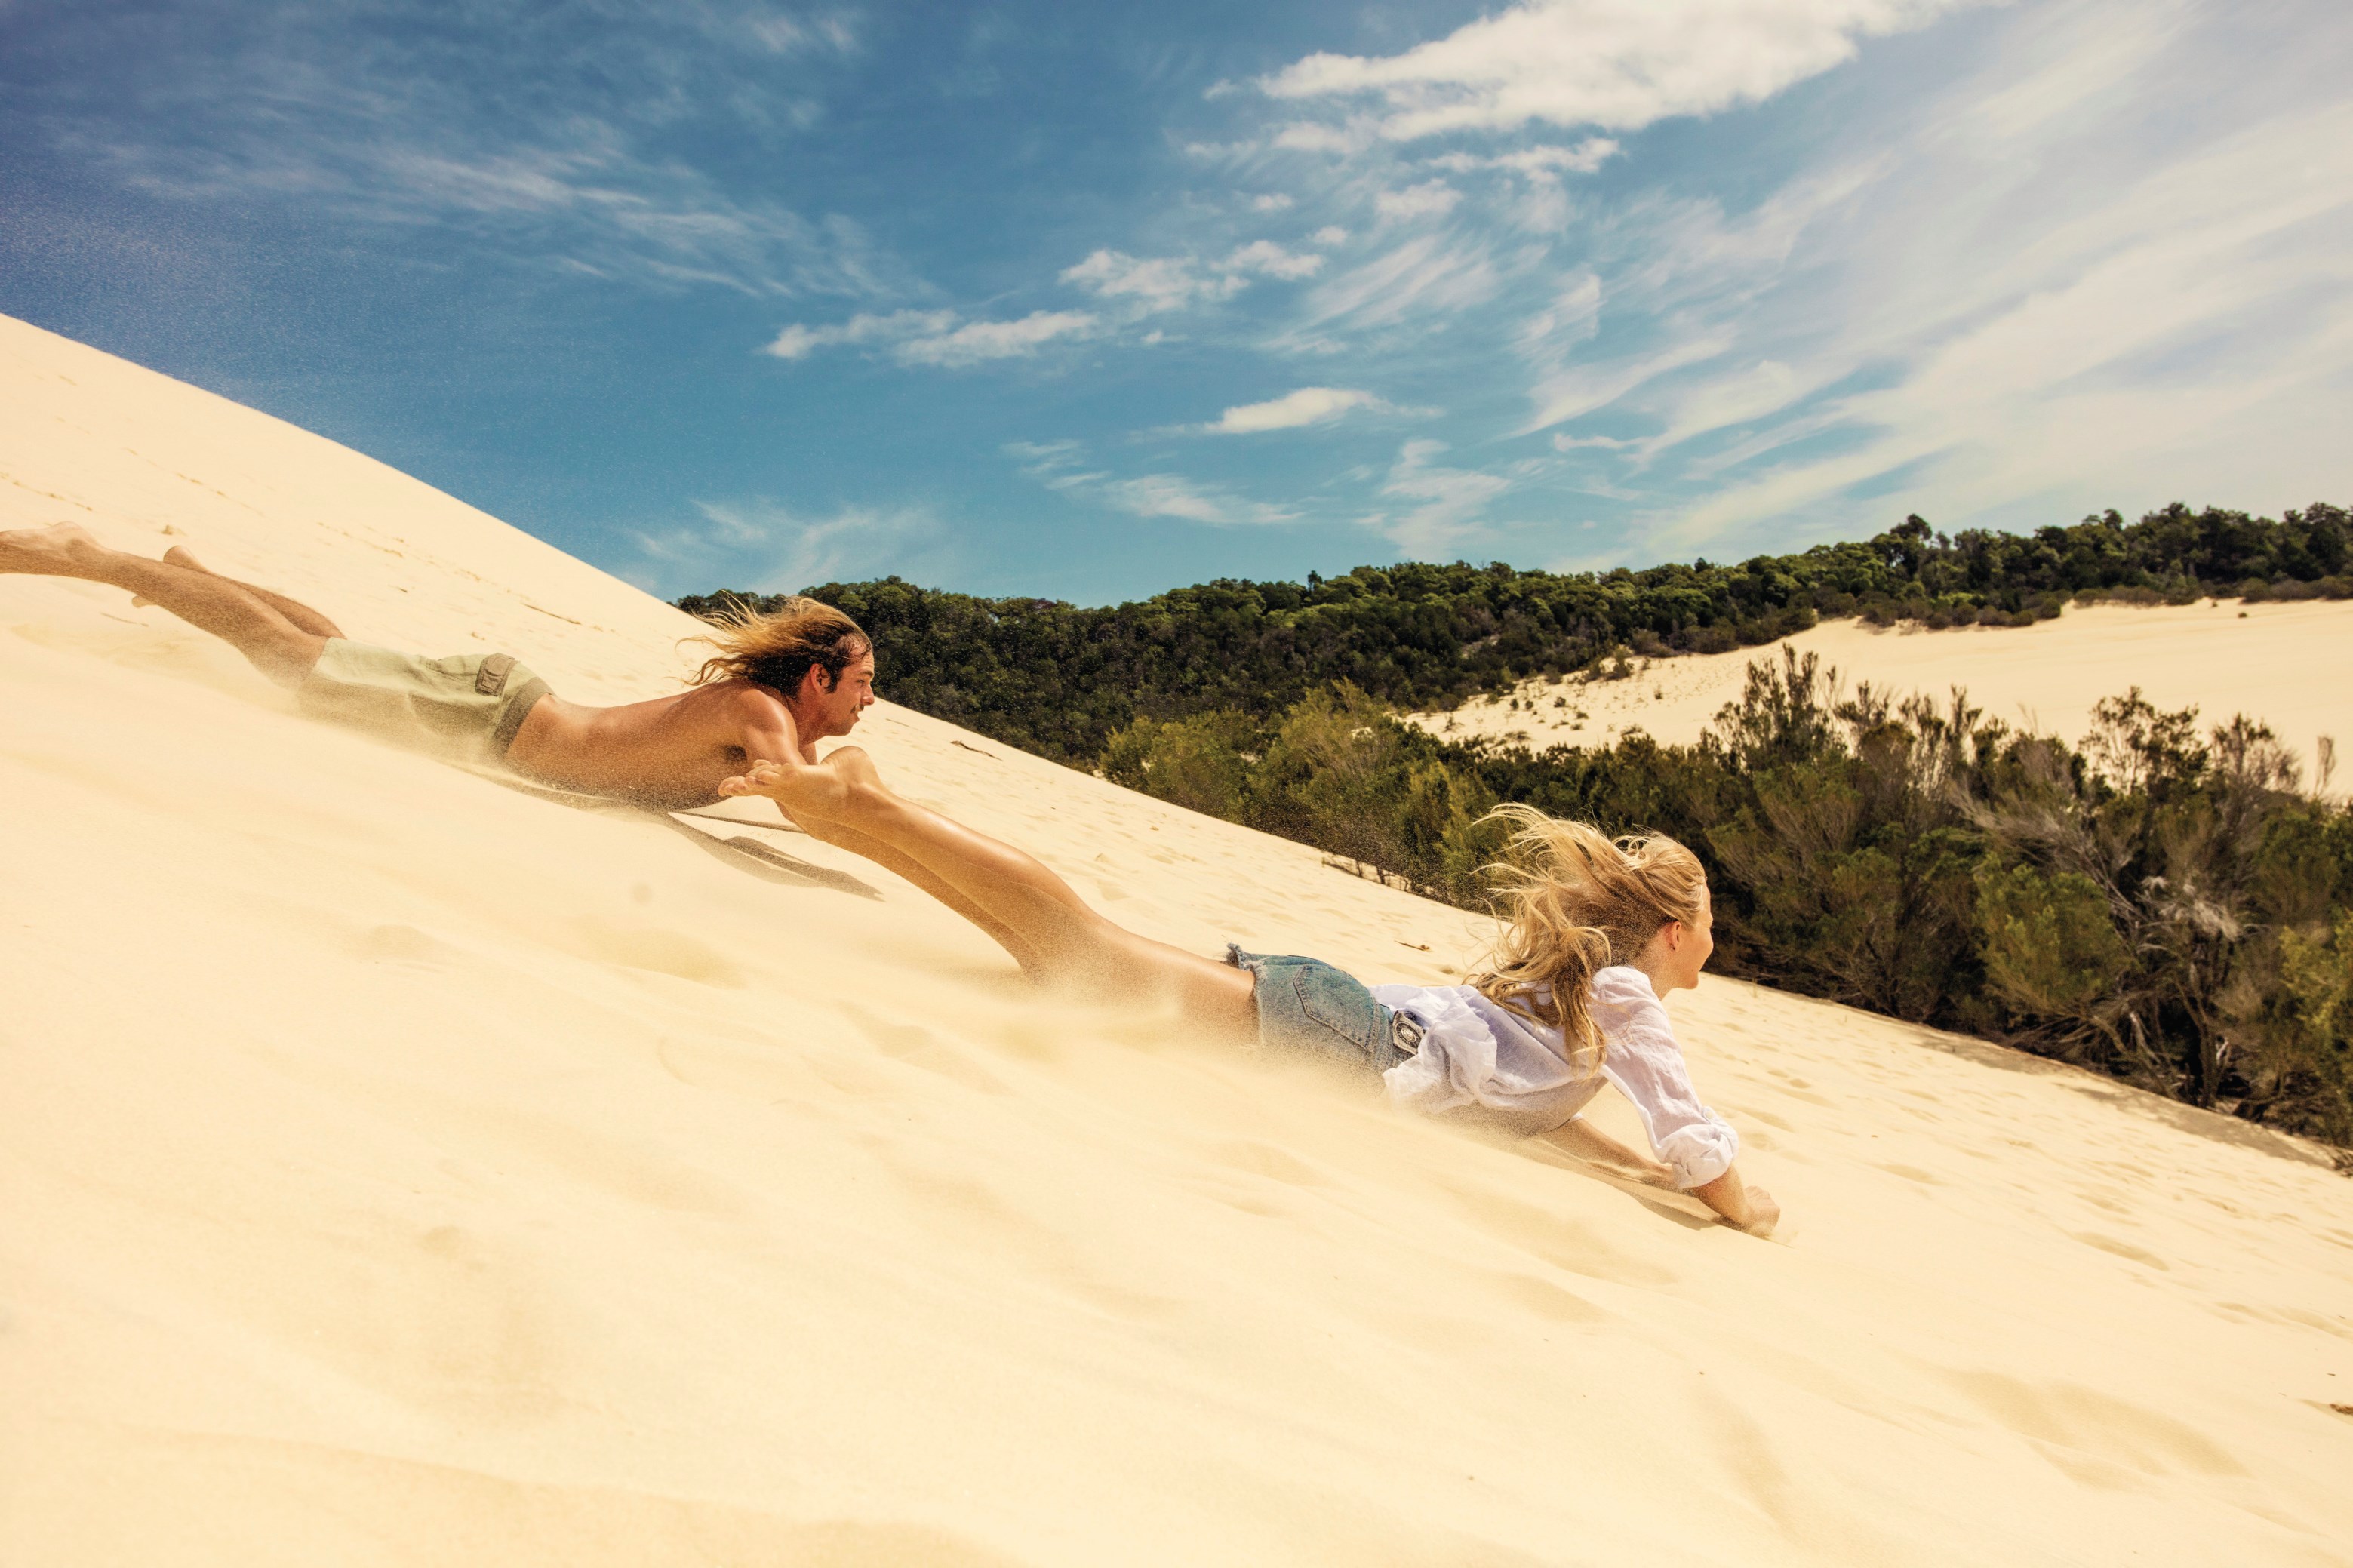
{"type": "Point", "coordinates": [737, 695]}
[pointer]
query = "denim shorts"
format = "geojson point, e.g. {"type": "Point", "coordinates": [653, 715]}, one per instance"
{"type": "Point", "coordinates": [1308, 1008]}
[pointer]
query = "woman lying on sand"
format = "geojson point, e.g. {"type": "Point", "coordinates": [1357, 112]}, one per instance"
{"type": "Point", "coordinates": [1598, 931]}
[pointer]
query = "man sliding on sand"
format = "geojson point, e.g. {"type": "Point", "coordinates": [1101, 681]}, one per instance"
{"type": "Point", "coordinates": [778, 685]}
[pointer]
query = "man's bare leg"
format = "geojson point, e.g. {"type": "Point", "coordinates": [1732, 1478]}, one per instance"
{"type": "Point", "coordinates": [294, 610]}
{"type": "Point", "coordinates": [275, 645]}
{"type": "Point", "coordinates": [1073, 946]}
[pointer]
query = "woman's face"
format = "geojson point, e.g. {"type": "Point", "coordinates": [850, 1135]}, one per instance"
{"type": "Point", "coordinates": [1683, 947]}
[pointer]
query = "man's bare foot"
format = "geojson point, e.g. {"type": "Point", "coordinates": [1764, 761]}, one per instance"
{"type": "Point", "coordinates": [60, 550]}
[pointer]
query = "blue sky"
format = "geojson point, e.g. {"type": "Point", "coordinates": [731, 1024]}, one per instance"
{"type": "Point", "coordinates": [1094, 301]}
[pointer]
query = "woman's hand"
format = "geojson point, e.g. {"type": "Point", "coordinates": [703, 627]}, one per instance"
{"type": "Point", "coordinates": [1752, 1209]}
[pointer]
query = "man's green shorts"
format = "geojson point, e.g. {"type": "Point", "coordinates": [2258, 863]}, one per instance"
{"type": "Point", "coordinates": [467, 708]}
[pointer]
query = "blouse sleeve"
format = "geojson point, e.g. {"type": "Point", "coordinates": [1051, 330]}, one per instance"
{"type": "Point", "coordinates": [1646, 1065]}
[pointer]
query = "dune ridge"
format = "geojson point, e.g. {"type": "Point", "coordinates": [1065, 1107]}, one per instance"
{"type": "Point", "coordinates": [398, 1168]}
{"type": "Point", "coordinates": [2273, 662]}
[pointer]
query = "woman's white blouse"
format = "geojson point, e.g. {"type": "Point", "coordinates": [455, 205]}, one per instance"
{"type": "Point", "coordinates": [1486, 1063]}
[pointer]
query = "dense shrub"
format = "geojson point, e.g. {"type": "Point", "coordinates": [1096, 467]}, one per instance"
{"type": "Point", "coordinates": [2162, 902]}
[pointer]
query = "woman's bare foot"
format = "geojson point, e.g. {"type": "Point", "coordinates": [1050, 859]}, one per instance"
{"type": "Point", "coordinates": [818, 790]}
{"type": "Point", "coordinates": [60, 550]}
{"type": "Point", "coordinates": [855, 768]}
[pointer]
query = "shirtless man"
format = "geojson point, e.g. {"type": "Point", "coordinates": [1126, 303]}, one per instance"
{"type": "Point", "coordinates": [777, 685]}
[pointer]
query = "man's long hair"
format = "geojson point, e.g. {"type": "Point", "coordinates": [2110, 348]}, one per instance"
{"type": "Point", "coordinates": [777, 649]}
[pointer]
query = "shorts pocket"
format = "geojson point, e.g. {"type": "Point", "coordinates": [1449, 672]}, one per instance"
{"type": "Point", "coordinates": [1334, 1000]}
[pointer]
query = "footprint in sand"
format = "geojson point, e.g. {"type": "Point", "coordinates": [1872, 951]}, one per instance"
{"type": "Point", "coordinates": [1266, 1160]}
{"type": "Point", "coordinates": [918, 1047]}
{"type": "Point", "coordinates": [652, 948]}
{"type": "Point", "coordinates": [2091, 1436]}
{"type": "Point", "coordinates": [406, 945]}
{"type": "Point", "coordinates": [2121, 1248]}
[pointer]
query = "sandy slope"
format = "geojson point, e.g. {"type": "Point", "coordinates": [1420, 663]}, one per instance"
{"type": "Point", "coordinates": [2284, 664]}
{"type": "Point", "coordinates": [396, 1168]}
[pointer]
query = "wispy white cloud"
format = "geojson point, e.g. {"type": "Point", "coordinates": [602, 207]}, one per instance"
{"type": "Point", "coordinates": [1544, 161]}
{"type": "Point", "coordinates": [976, 342]}
{"type": "Point", "coordinates": [1062, 466]}
{"type": "Point", "coordinates": [1447, 504]}
{"type": "Point", "coordinates": [1685, 271]}
{"type": "Point", "coordinates": [1057, 465]}
{"type": "Point", "coordinates": [2091, 271]}
{"type": "Point", "coordinates": [1431, 198]}
{"type": "Point", "coordinates": [1269, 259]}
{"type": "Point", "coordinates": [1308, 406]}
{"type": "Point", "coordinates": [937, 337]}
{"type": "Point", "coordinates": [1430, 276]}
{"type": "Point", "coordinates": [317, 110]}
{"type": "Point", "coordinates": [1154, 285]}
{"type": "Point", "coordinates": [764, 546]}
{"type": "Point", "coordinates": [1616, 64]}
{"type": "Point", "coordinates": [1309, 136]}
{"type": "Point", "coordinates": [1151, 284]}
{"type": "Point", "coordinates": [1165, 495]}
{"type": "Point", "coordinates": [2182, 331]}
{"type": "Point", "coordinates": [799, 342]}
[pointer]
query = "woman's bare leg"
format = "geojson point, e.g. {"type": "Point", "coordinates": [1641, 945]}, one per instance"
{"type": "Point", "coordinates": [916, 871]}
{"type": "Point", "coordinates": [1071, 944]}
{"type": "Point", "coordinates": [276, 647]}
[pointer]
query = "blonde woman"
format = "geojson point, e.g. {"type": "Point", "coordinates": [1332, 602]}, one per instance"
{"type": "Point", "coordinates": [1596, 932]}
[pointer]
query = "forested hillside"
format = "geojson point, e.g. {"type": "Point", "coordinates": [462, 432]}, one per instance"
{"type": "Point", "coordinates": [1061, 679]}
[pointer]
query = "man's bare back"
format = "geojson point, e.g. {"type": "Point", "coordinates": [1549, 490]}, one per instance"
{"type": "Point", "coordinates": [672, 752]}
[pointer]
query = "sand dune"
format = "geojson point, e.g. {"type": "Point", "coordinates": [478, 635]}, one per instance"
{"type": "Point", "coordinates": [2282, 663]}
{"type": "Point", "coordinates": [397, 1168]}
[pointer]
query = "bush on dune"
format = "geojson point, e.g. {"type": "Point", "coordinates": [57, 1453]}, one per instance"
{"type": "Point", "coordinates": [2161, 902]}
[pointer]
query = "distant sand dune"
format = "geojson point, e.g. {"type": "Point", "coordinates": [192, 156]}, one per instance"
{"type": "Point", "coordinates": [397, 1168]}
{"type": "Point", "coordinates": [2285, 664]}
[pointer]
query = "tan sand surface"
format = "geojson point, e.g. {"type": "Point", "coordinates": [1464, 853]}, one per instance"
{"type": "Point", "coordinates": [2286, 664]}
{"type": "Point", "coordinates": [398, 1168]}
